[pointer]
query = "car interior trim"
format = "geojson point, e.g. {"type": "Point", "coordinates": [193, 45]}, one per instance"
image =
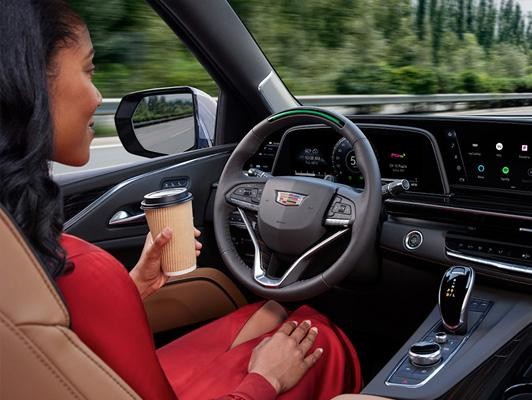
{"type": "Point", "coordinates": [122, 217]}
{"type": "Point", "coordinates": [257, 261]}
{"type": "Point", "coordinates": [497, 264]}
{"type": "Point", "coordinates": [459, 209]}
{"type": "Point", "coordinates": [115, 189]}
{"type": "Point", "coordinates": [275, 94]}
{"type": "Point", "coordinates": [179, 302]}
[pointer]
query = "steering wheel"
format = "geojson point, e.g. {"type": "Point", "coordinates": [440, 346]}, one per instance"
{"type": "Point", "coordinates": [296, 216]}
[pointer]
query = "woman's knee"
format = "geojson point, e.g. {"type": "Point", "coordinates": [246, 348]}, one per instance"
{"type": "Point", "coordinates": [265, 319]}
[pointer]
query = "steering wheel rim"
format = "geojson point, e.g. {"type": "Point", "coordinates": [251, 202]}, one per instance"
{"type": "Point", "coordinates": [363, 227]}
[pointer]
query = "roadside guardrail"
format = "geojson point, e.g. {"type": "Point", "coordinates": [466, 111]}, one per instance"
{"type": "Point", "coordinates": [110, 105]}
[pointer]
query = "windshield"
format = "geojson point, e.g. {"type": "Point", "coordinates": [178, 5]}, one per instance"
{"type": "Point", "coordinates": [476, 52]}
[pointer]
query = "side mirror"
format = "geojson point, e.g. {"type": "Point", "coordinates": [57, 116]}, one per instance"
{"type": "Point", "coordinates": [165, 121]}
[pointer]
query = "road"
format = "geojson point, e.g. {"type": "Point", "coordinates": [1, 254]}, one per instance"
{"type": "Point", "coordinates": [109, 151]}
{"type": "Point", "coordinates": [171, 137]}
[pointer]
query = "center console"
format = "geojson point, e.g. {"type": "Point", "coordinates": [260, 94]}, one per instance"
{"type": "Point", "coordinates": [475, 335]}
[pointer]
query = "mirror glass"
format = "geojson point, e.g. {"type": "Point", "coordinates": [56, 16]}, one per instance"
{"type": "Point", "coordinates": [165, 123]}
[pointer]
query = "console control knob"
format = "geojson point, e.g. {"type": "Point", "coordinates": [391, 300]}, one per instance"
{"type": "Point", "coordinates": [440, 337]}
{"type": "Point", "coordinates": [424, 354]}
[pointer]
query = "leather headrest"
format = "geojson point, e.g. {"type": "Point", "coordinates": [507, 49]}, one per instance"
{"type": "Point", "coordinates": [27, 295]}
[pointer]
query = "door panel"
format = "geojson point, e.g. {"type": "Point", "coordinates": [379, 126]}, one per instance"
{"type": "Point", "coordinates": [123, 190]}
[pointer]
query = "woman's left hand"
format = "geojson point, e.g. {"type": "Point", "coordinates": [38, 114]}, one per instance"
{"type": "Point", "coordinates": [147, 274]}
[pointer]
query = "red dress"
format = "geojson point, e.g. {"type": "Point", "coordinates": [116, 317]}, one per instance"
{"type": "Point", "coordinates": [108, 315]}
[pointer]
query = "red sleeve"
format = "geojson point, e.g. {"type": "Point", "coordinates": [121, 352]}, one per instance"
{"type": "Point", "coordinates": [253, 387]}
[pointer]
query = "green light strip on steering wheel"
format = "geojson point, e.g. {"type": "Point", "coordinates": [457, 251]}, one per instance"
{"type": "Point", "coordinates": [304, 111]}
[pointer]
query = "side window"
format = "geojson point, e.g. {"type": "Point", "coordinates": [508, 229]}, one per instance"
{"type": "Point", "coordinates": [135, 50]}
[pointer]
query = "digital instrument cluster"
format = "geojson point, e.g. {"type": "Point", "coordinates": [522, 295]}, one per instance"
{"type": "Point", "coordinates": [322, 153]}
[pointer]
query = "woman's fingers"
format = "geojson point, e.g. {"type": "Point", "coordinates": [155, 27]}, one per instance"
{"type": "Point", "coordinates": [198, 245]}
{"type": "Point", "coordinates": [160, 241]}
{"type": "Point", "coordinates": [287, 327]}
{"type": "Point", "coordinates": [309, 339]}
{"type": "Point", "coordinates": [301, 331]}
{"type": "Point", "coordinates": [311, 359]}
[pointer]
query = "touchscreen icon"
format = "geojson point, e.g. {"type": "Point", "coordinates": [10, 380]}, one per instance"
{"type": "Point", "coordinates": [499, 146]}
{"type": "Point", "coordinates": [524, 147]}
{"type": "Point", "coordinates": [481, 168]}
{"type": "Point", "coordinates": [505, 170]}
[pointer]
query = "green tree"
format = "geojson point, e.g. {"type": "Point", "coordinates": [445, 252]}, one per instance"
{"type": "Point", "coordinates": [420, 19]}
{"type": "Point", "coordinates": [470, 15]}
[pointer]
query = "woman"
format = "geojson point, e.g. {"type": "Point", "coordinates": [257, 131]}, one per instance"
{"type": "Point", "coordinates": [47, 100]}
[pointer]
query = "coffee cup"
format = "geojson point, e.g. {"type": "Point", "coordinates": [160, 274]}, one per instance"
{"type": "Point", "coordinates": [173, 208]}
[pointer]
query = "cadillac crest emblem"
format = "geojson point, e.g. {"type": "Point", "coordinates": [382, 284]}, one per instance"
{"type": "Point", "coordinates": [290, 199]}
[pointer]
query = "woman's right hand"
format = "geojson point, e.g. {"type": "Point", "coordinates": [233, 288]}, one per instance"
{"type": "Point", "coordinates": [282, 358]}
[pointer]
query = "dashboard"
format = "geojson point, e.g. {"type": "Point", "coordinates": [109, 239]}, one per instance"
{"type": "Point", "coordinates": [488, 157]}
{"type": "Point", "coordinates": [471, 185]}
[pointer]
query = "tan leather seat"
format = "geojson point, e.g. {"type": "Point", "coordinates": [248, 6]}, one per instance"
{"type": "Point", "coordinates": [40, 357]}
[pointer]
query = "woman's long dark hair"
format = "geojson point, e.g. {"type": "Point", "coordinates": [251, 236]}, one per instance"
{"type": "Point", "coordinates": [31, 33]}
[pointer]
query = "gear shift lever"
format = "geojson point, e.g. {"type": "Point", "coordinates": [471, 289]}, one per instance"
{"type": "Point", "coordinates": [453, 297]}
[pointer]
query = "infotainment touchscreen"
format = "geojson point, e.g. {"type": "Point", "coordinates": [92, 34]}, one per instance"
{"type": "Point", "coordinates": [497, 160]}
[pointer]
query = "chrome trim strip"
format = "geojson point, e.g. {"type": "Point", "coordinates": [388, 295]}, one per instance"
{"type": "Point", "coordinates": [337, 222]}
{"type": "Point", "coordinates": [258, 271]}
{"type": "Point", "coordinates": [497, 264]}
{"type": "Point", "coordinates": [257, 262]}
{"type": "Point", "coordinates": [527, 230]}
{"type": "Point", "coordinates": [123, 218]}
{"type": "Point", "coordinates": [459, 209]}
{"type": "Point", "coordinates": [443, 364]}
{"type": "Point", "coordinates": [311, 251]}
{"type": "Point", "coordinates": [87, 210]}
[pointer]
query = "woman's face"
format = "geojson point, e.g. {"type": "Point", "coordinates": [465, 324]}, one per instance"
{"type": "Point", "coordinates": [74, 98]}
